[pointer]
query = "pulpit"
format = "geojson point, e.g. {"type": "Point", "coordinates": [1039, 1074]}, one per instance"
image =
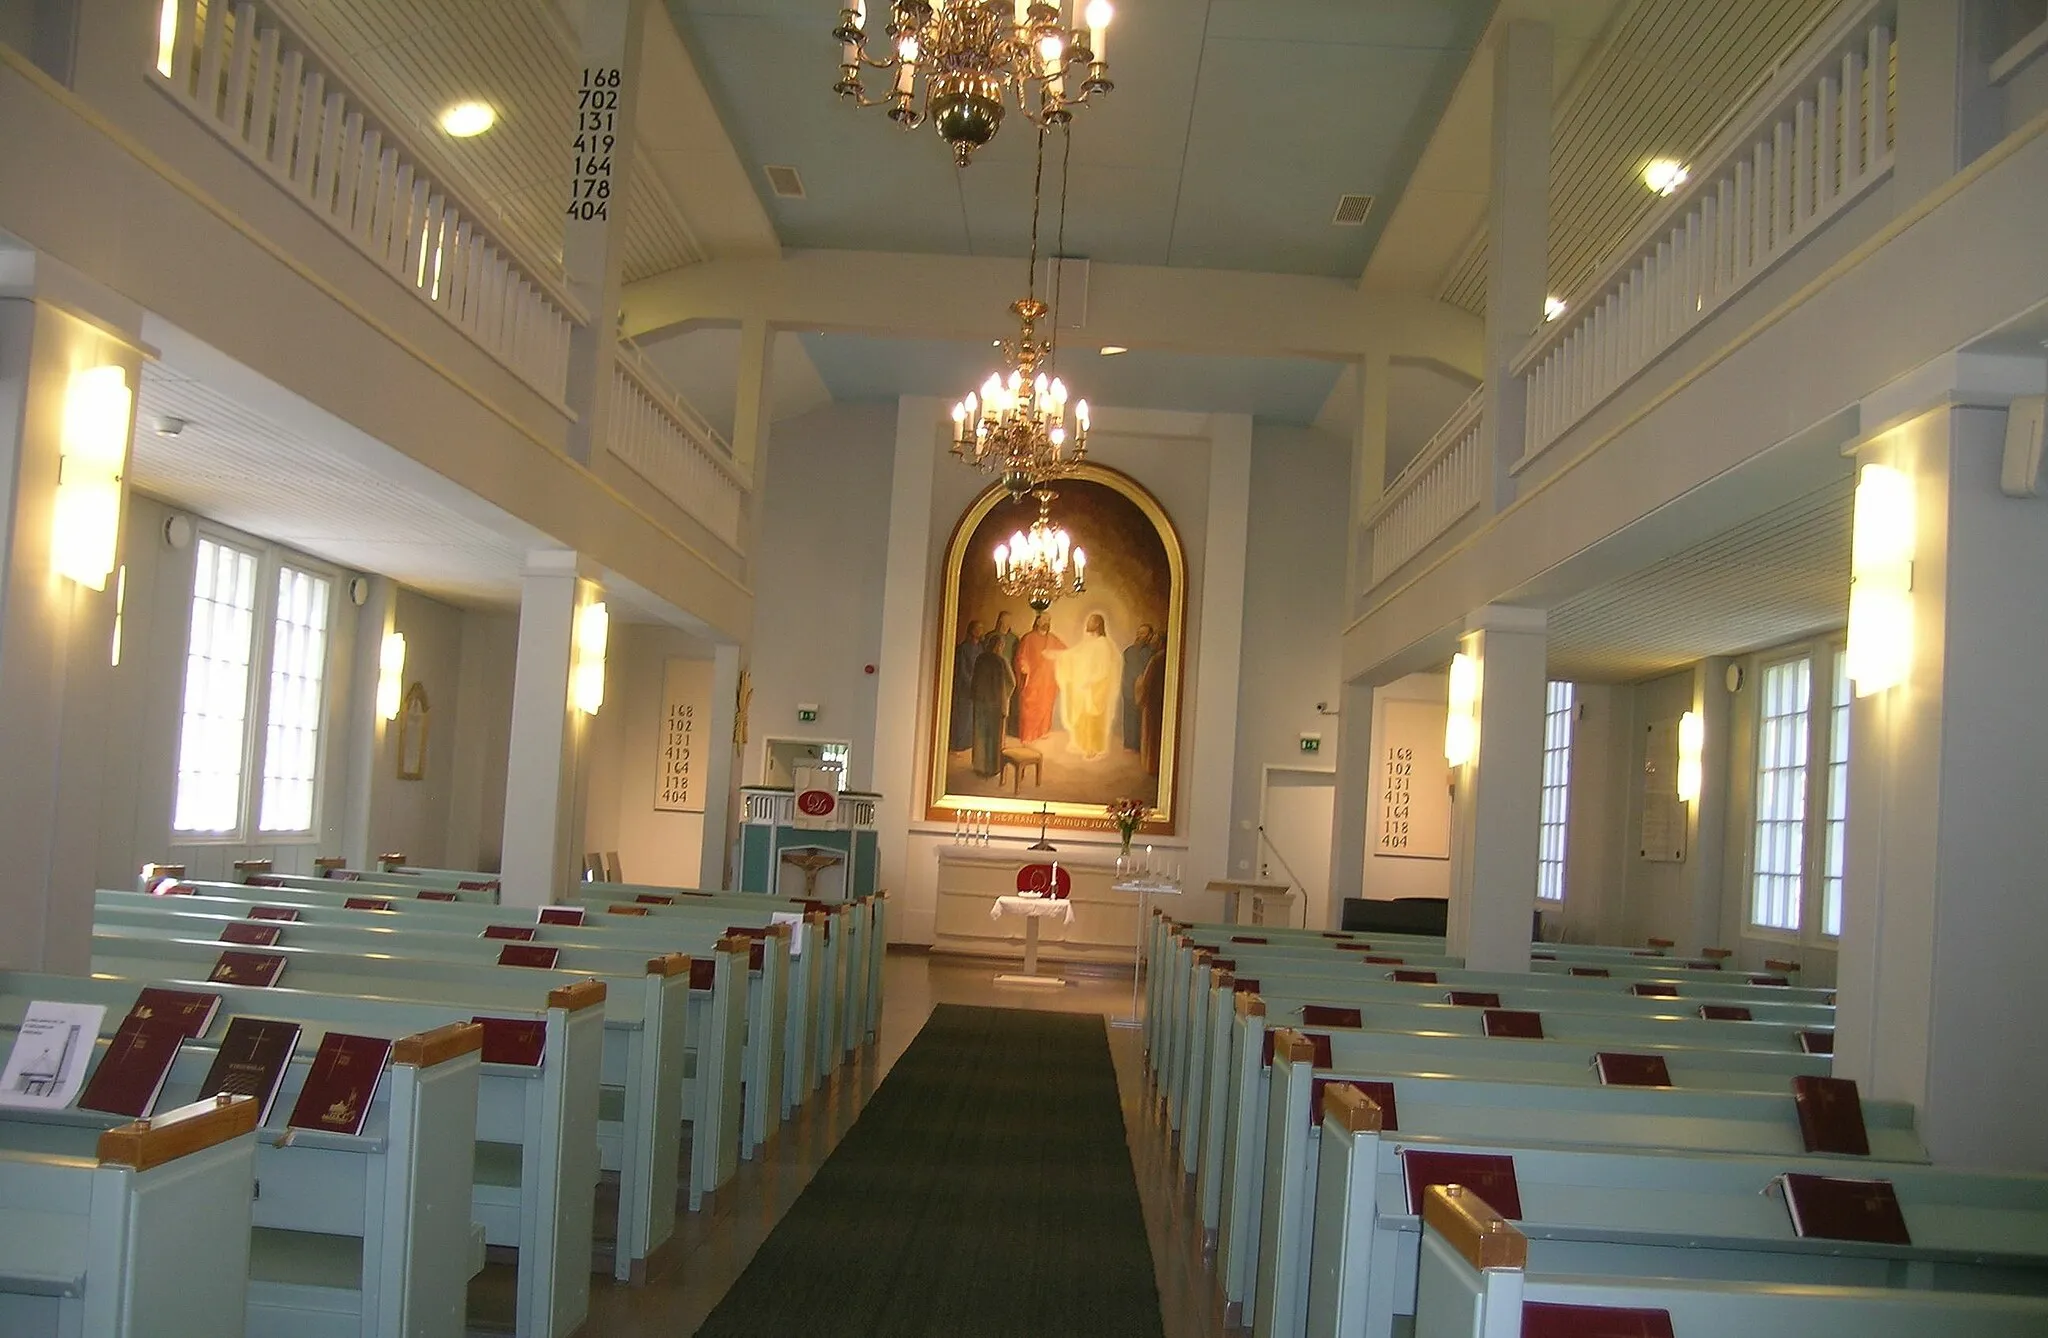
{"type": "Point", "coordinates": [811, 862]}
{"type": "Point", "coordinates": [774, 832]}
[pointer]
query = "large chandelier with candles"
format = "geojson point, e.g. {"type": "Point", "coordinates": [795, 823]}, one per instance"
{"type": "Point", "coordinates": [1019, 424]}
{"type": "Point", "coordinates": [1034, 566]}
{"type": "Point", "coordinates": [972, 54]}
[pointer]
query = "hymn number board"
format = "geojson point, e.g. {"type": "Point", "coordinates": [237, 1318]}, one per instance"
{"type": "Point", "coordinates": [597, 131]}
{"type": "Point", "coordinates": [1412, 787]}
{"type": "Point", "coordinates": [685, 704]}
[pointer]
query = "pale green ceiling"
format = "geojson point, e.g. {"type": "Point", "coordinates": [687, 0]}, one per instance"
{"type": "Point", "coordinates": [1234, 127]}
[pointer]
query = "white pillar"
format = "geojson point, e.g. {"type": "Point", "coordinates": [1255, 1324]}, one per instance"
{"type": "Point", "coordinates": [1368, 471]}
{"type": "Point", "coordinates": [593, 238]}
{"type": "Point", "coordinates": [374, 621]}
{"type": "Point", "coordinates": [1941, 984]}
{"type": "Point", "coordinates": [723, 770]}
{"type": "Point", "coordinates": [1518, 231]}
{"type": "Point", "coordinates": [1497, 796]}
{"type": "Point", "coordinates": [1206, 815]}
{"type": "Point", "coordinates": [1350, 802]}
{"type": "Point", "coordinates": [901, 673]}
{"type": "Point", "coordinates": [752, 407]}
{"type": "Point", "coordinates": [1948, 112]}
{"type": "Point", "coordinates": [543, 827]}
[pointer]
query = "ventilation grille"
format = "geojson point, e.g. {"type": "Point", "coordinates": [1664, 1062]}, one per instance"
{"type": "Point", "coordinates": [785, 182]}
{"type": "Point", "coordinates": [1351, 211]}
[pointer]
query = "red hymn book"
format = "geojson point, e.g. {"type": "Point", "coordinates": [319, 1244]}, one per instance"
{"type": "Point", "coordinates": [254, 1055]}
{"type": "Point", "coordinates": [247, 968]}
{"type": "Point", "coordinates": [341, 1083]}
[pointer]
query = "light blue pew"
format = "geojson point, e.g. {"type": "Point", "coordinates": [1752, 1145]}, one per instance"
{"type": "Point", "coordinates": [770, 985]}
{"type": "Point", "coordinates": [1235, 1149]}
{"type": "Point", "coordinates": [365, 1236]}
{"type": "Point", "coordinates": [536, 1129]}
{"type": "Point", "coordinates": [1639, 1213]}
{"type": "Point", "coordinates": [1510, 1114]}
{"type": "Point", "coordinates": [143, 1233]}
{"type": "Point", "coordinates": [643, 1032]}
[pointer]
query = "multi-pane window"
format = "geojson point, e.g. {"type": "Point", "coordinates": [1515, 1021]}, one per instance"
{"type": "Point", "coordinates": [1834, 864]}
{"type": "Point", "coordinates": [1557, 775]}
{"type": "Point", "coordinates": [1778, 871]}
{"type": "Point", "coordinates": [237, 624]}
{"type": "Point", "coordinates": [298, 663]}
{"type": "Point", "coordinates": [212, 738]}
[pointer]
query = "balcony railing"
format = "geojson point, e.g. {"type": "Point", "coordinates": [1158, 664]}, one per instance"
{"type": "Point", "coordinates": [246, 76]}
{"type": "Point", "coordinates": [1816, 137]}
{"type": "Point", "coordinates": [656, 434]}
{"type": "Point", "coordinates": [1444, 481]}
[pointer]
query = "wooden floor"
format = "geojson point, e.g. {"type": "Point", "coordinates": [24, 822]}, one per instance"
{"type": "Point", "coordinates": [712, 1247]}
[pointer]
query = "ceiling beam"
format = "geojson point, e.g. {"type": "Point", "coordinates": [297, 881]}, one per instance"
{"type": "Point", "coordinates": [1140, 306]}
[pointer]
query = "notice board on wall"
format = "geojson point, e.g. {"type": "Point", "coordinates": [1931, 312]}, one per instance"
{"type": "Point", "coordinates": [685, 711]}
{"type": "Point", "coordinates": [1411, 782]}
{"type": "Point", "coordinates": [1663, 829]}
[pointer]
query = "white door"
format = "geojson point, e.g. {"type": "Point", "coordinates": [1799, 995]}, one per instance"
{"type": "Point", "coordinates": [1295, 813]}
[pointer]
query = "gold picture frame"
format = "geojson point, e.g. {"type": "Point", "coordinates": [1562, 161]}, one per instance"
{"type": "Point", "coordinates": [412, 733]}
{"type": "Point", "coordinates": [1054, 764]}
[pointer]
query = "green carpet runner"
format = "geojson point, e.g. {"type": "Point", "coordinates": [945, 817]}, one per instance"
{"type": "Point", "coordinates": [985, 1190]}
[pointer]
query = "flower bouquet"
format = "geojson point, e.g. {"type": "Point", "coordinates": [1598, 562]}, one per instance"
{"type": "Point", "coordinates": [1127, 814]}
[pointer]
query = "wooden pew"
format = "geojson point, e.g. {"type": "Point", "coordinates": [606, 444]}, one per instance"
{"type": "Point", "coordinates": [141, 1231]}
{"type": "Point", "coordinates": [400, 1189]}
{"type": "Point", "coordinates": [1511, 1114]}
{"type": "Point", "coordinates": [1233, 1154]}
{"type": "Point", "coordinates": [641, 1048]}
{"type": "Point", "coordinates": [1473, 1279]}
{"type": "Point", "coordinates": [1638, 1213]}
{"type": "Point", "coordinates": [773, 978]}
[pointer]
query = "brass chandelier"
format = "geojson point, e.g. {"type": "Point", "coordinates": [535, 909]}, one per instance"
{"type": "Point", "coordinates": [972, 53]}
{"type": "Point", "coordinates": [1033, 567]}
{"type": "Point", "coordinates": [1018, 425]}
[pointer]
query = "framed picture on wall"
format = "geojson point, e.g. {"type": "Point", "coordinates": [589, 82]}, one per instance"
{"type": "Point", "coordinates": [1069, 708]}
{"type": "Point", "coordinates": [412, 733]}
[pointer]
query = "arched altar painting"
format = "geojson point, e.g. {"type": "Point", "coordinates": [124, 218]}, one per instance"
{"type": "Point", "coordinates": [1081, 704]}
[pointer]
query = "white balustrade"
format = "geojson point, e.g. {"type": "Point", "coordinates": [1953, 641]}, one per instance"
{"type": "Point", "coordinates": [1444, 481]}
{"type": "Point", "coordinates": [1816, 136]}
{"type": "Point", "coordinates": [657, 435]}
{"type": "Point", "coordinates": [772, 807]}
{"type": "Point", "coordinates": [246, 76]}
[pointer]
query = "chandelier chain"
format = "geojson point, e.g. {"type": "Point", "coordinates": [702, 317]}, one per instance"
{"type": "Point", "coordinates": [1059, 255]}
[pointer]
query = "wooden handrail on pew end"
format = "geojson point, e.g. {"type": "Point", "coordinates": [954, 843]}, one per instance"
{"type": "Point", "coordinates": [581, 995]}
{"type": "Point", "coordinates": [1221, 978]}
{"type": "Point", "coordinates": [143, 1144]}
{"type": "Point", "coordinates": [669, 964]}
{"type": "Point", "coordinates": [1472, 1228]}
{"type": "Point", "coordinates": [423, 1050]}
{"type": "Point", "coordinates": [739, 943]}
{"type": "Point", "coordinates": [1348, 1107]}
{"type": "Point", "coordinates": [1250, 1005]}
{"type": "Point", "coordinates": [1296, 1047]}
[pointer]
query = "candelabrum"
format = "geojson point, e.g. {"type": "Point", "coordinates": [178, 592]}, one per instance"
{"type": "Point", "coordinates": [1018, 426]}
{"type": "Point", "coordinates": [975, 55]}
{"type": "Point", "coordinates": [1033, 566]}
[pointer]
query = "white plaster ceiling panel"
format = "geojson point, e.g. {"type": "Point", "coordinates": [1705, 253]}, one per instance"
{"type": "Point", "coordinates": [231, 465]}
{"type": "Point", "coordinates": [419, 56]}
{"type": "Point", "coordinates": [1658, 88]}
{"type": "Point", "coordinates": [1774, 578]}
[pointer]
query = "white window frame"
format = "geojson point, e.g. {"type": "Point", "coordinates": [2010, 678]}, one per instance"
{"type": "Point", "coordinates": [1804, 861]}
{"type": "Point", "coordinates": [270, 559]}
{"type": "Point", "coordinates": [1560, 714]}
{"type": "Point", "coordinates": [1823, 657]}
{"type": "Point", "coordinates": [1838, 747]}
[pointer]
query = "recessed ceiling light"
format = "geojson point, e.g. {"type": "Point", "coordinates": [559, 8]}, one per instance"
{"type": "Point", "coordinates": [1111, 350]}
{"type": "Point", "coordinates": [1553, 307]}
{"type": "Point", "coordinates": [465, 119]}
{"type": "Point", "coordinates": [1665, 175]}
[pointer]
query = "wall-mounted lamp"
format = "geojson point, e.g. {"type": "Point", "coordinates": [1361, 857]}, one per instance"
{"type": "Point", "coordinates": [86, 529]}
{"type": "Point", "coordinates": [1692, 742]}
{"type": "Point", "coordinates": [586, 674]}
{"type": "Point", "coordinates": [1461, 721]}
{"type": "Point", "coordinates": [1881, 580]}
{"type": "Point", "coordinates": [390, 675]}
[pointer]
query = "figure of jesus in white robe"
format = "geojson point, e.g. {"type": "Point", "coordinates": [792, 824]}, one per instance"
{"type": "Point", "coordinates": [1089, 674]}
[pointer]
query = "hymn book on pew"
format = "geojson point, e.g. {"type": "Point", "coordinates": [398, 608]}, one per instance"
{"type": "Point", "coordinates": [341, 1083]}
{"type": "Point", "coordinates": [52, 1047]}
{"type": "Point", "coordinates": [272, 913]}
{"type": "Point", "coordinates": [131, 1074]}
{"type": "Point", "coordinates": [1830, 1115]}
{"type": "Point", "coordinates": [254, 1055]}
{"type": "Point", "coordinates": [366, 904]}
{"type": "Point", "coordinates": [190, 1010]}
{"type": "Point", "coordinates": [517, 933]}
{"type": "Point", "coordinates": [514, 1040]}
{"type": "Point", "coordinates": [561, 915]}
{"type": "Point", "coordinates": [434, 894]}
{"type": "Point", "coordinates": [1490, 1175]}
{"type": "Point", "coordinates": [251, 935]}
{"type": "Point", "coordinates": [1839, 1208]}
{"type": "Point", "coordinates": [1624, 1070]}
{"type": "Point", "coordinates": [247, 968]}
{"type": "Point", "coordinates": [528, 954]}
{"type": "Point", "coordinates": [1548, 1319]}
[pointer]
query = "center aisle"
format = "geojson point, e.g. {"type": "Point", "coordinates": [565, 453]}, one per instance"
{"type": "Point", "coordinates": [986, 1189]}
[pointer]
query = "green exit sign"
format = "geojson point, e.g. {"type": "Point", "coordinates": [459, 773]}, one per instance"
{"type": "Point", "coordinates": [806, 714]}
{"type": "Point", "coordinates": [1311, 743]}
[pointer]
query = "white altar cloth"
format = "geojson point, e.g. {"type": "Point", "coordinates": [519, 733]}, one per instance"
{"type": "Point", "coordinates": [1036, 907]}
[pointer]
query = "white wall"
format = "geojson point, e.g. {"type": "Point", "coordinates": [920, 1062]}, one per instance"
{"type": "Point", "coordinates": [624, 765]}
{"type": "Point", "coordinates": [819, 570]}
{"type": "Point", "coordinates": [1293, 596]}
